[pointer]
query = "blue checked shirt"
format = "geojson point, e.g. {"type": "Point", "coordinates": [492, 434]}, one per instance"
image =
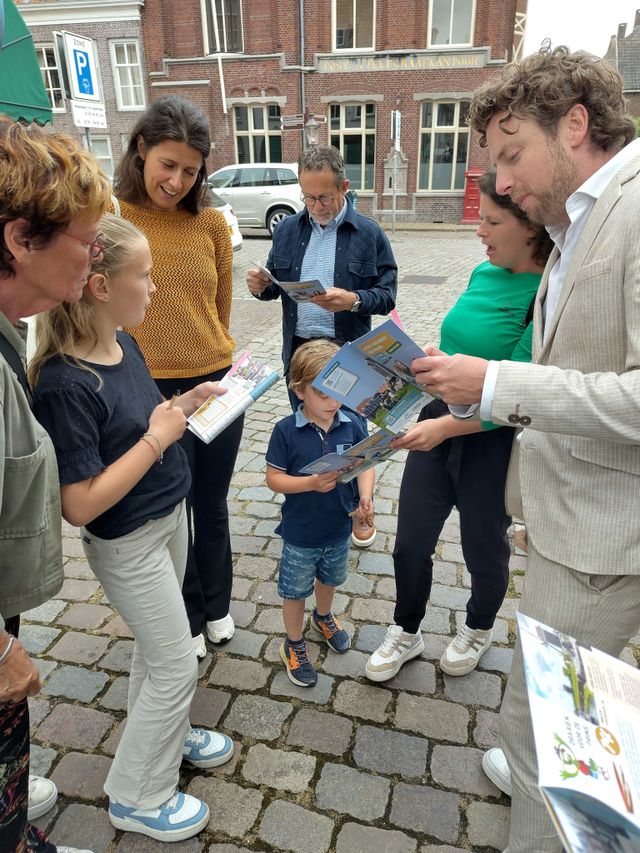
{"type": "Point", "coordinates": [319, 262]}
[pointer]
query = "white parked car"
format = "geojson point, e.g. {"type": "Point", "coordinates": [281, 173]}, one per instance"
{"type": "Point", "coordinates": [232, 221]}
{"type": "Point", "coordinates": [262, 194]}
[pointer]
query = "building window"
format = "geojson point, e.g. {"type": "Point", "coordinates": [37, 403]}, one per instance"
{"type": "Point", "coordinates": [354, 24]}
{"type": "Point", "coordinates": [451, 22]}
{"type": "Point", "coordinates": [353, 132]}
{"type": "Point", "coordinates": [258, 134]}
{"type": "Point", "coordinates": [51, 76]}
{"type": "Point", "coordinates": [226, 17]}
{"type": "Point", "coordinates": [444, 145]}
{"type": "Point", "coordinates": [101, 150]}
{"type": "Point", "coordinates": [127, 74]}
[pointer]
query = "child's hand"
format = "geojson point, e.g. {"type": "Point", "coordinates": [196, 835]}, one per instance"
{"type": "Point", "coordinates": [191, 400]}
{"type": "Point", "coordinates": [364, 512]}
{"type": "Point", "coordinates": [324, 482]}
{"type": "Point", "coordinates": [167, 423]}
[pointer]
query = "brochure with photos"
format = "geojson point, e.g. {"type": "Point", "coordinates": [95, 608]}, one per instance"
{"type": "Point", "coordinates": [299, 291]}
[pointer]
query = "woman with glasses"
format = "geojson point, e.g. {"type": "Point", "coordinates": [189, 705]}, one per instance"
{"type": "Point", "coordinates": [52, 195]}
{"type": "Point", "coordinates": [161, 187]}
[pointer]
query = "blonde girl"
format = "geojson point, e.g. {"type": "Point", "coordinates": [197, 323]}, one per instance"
{"type": "Point", "coordinates": [124, 480]}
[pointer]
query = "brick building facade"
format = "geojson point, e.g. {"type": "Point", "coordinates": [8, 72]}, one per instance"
{"type": "Point", "coordinates": [247, 64]}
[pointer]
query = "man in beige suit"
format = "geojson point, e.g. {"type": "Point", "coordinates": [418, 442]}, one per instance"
{"type": "Point", "coordinates": [557, 131]}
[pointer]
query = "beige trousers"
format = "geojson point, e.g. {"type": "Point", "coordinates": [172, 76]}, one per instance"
{"type": "Point", "coordinates": [598, 610]}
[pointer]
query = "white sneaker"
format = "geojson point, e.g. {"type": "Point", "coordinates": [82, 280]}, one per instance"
{"type": "Point", "coordinates": [199, 646]}
{"type": "Point", "coordinates": [71, 849]}
{"type": "Point", "coordinates": [397, 647]}
{"type": "Point", "coordinates": [42, 796]}
{"type": "Point", "coordinates": [494, 764]}
{"type": "Point", "coordinates": [465, 650]}
{"type": "Point", "coordinates": [221, 629]}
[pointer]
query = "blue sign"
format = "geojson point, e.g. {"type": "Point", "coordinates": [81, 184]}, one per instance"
{"type": "Point", "coordinates": [83, 71]}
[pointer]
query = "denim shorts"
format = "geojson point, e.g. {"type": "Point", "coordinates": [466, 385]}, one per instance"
{"type": "Point", "coordinates": [300, 566]}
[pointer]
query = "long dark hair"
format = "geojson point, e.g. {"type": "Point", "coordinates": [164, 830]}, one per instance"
{"type": "Point", "coordinates": [170, 118]}
{"type": "Point", "coordinates": [542, 243]}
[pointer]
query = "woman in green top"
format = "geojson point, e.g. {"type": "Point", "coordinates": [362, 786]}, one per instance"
{"type": "Point", "coordinates": [464, 463]}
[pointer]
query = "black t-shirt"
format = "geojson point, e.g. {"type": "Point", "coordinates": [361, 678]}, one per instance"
{"type": "Point", "coordinates": [93, 427]}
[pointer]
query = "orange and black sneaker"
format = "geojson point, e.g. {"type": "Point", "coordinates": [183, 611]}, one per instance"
{"type": "Point", "coordinates": [331, 630]}
{"type": "Point", "coordinates": [299, 668]}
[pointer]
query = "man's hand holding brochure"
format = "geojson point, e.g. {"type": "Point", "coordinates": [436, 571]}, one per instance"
{"type": "Point", "coordinates": [246, 381]}
{"type": "Point", "coordinates": [585, 710]}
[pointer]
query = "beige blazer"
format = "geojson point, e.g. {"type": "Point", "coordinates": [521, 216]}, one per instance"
{"type": "Point", "coordinates": [580, 400]}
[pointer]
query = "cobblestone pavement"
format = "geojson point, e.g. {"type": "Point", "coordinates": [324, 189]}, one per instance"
{"type": "Point", "coordinates": [347, 766]}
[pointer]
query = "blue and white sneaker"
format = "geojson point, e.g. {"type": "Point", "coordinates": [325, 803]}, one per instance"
{"type": "Point", "coordinates": [181, 817]}
{"type": "Point", "coordinates": [204, 748]}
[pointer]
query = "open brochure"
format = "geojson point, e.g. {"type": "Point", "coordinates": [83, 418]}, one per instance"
{"type": "Point", "coordinates": [358, 458]}
{"type": "Point", "coordinates": [372, 376]}
{"type": "Point", "coordinates": [246, 381]}
{"type": "Point", "coordinates": [585, 708]}
{"type": "Point", "coordinates": [299, 291]}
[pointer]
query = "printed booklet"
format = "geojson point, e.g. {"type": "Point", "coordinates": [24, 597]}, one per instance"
{"type": "Point", "coordinates": [372, 376]}
{"type": "Point", "coordinates": [299, 291]}
{"type": "Point", "coordinates": [585, 707]}
{"type": "Point", "coordinates": [360, 457]}
{"type": "Point", "coordinates": [246, 381]}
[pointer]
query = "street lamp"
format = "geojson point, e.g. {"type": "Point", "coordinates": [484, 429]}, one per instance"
{"type": "Point", "coordinates": [311, 130]}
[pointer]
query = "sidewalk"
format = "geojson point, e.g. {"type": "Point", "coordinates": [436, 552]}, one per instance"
{"type": "Point", "coordinates": [347, 766]}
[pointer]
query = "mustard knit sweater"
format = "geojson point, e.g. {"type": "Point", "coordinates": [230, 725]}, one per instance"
{"type": "Point", "coordinates": [186, 329]}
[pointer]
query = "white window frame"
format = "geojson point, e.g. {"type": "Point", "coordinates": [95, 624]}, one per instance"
{"type": "Point", "coordinates": [102, 137]}
{"type": "Point", "coordinates": [440, 46]}
{"type": "Point", "coordinates": [210, 37]}
{"type": "Point", "coordinates": [364, 132]}
{"type": "Point", "coordinates": [46, 75]}
{"type": "Point", "coordinates": [457, 130]}
{"type": "Point", "coordinates": [253, 132]}
{"type": "Point", "coordinates": [336, 48]}
{"type": "Point", "coordinates": [115, 69]}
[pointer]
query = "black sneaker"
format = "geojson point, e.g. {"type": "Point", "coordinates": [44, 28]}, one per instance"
{"type": "Point", "coordinates": [299, 669]}
{"type": "Point", "coordinates": [331, 630]}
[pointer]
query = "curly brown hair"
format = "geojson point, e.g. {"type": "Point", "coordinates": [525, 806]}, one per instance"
{"type": "Point", "coordinates": [48, 180]}
{"type": "Point", "coordinates": [542, 242]}
{"type": "Point", "coordinates": [545, 85]}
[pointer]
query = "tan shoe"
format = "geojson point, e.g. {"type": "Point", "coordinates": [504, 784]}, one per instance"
{"type": "Point", "coordinates": [363, 535]}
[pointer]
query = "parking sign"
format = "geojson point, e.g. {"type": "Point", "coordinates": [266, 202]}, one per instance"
{"type": "Point", "coordinates": [81, 64]}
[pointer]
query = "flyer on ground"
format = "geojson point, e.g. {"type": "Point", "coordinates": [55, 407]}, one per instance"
{"type": "Point", "coordinates": [372, 376]}
{"type": "Point", "coordinates": [246, 381]}
{"type": "Point", "coordinates": [585, 708]}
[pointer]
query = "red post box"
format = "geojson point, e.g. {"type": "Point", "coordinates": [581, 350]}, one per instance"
{"type": "Point", "coordinates": [471, 210]}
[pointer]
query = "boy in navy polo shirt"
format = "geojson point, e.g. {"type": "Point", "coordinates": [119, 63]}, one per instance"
{"type": "Point", "coordinates": [316, 513]}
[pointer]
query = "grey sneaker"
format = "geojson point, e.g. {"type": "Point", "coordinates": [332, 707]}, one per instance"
{"type": "Point", "coordinates": [397, 647]}
{"type": "Point", "coordinates": [465, 650]}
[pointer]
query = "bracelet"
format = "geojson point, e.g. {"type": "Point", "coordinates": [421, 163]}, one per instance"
{"type": "Point", "coordinates": [7, 650]}
{"type": "Point", "coordinates": [148, 435]}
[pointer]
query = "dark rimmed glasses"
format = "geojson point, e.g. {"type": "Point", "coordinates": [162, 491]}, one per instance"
{"type": "Point", "coordinates": [310, 200]}
{"type": "Point", "coordinates": [96, 247]}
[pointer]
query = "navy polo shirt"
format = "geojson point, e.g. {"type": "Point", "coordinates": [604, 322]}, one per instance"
{"type": "Point", "coordinates": [312, 519]}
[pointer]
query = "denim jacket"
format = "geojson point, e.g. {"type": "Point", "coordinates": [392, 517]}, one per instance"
{"type": "Point", "coordinates": [30, 544]}
{"type": "Point", "coordinates": [364, 265]}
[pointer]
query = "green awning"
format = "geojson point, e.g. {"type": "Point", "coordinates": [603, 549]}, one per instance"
{"type": "Point", "coordinates": [22, 93]}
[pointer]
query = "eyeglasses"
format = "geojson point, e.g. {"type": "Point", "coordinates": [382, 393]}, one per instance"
{"type": "Point", "coordinates": [96, 247]}
{"type": "Point", "coordinates": [310, 200]}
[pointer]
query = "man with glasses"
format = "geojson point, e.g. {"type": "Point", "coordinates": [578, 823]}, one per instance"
{"type": "Point", "coordinates": [346, 251]}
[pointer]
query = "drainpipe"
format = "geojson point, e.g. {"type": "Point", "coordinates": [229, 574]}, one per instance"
{"type": "Point", "coordinates": [220, 74]}
{"type": "Point", "coordinates": [303, 96]}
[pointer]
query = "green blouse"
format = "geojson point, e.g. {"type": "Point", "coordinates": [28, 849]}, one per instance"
{"type": "Point", "coordinates": [488, 319]}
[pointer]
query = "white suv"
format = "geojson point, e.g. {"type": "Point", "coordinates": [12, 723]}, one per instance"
{"type": "Point", "coordinates": [261, 194]}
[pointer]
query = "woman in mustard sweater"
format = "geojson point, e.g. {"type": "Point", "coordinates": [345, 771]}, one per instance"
{"type": "Point", "coordinates": [160, 184]}
{"type": "Point", "coordinates": [464, 463]}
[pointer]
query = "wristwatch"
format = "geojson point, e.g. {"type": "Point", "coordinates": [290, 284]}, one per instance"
{"type": "Point", "coordinates": [357, 305]}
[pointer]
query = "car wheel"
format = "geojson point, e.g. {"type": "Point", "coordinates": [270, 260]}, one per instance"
{"type": "Point", "coordinates": [276, 216]}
